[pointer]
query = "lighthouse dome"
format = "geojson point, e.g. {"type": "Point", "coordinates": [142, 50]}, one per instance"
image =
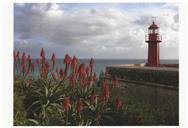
{"type": "Point", "coordinates": [153, 26]}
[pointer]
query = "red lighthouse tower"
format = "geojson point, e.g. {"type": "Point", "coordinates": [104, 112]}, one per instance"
{"type": "Point", "coordinates": [153, 39]}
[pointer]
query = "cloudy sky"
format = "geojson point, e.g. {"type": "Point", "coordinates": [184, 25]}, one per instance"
{"type": "Point", "coordinates": [115, 30]}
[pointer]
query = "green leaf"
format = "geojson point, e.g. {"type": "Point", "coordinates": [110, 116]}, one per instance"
{"type": "Point", "coordinates": [33, 121]}
{"type": "Point", "coordinates": [34, 103]}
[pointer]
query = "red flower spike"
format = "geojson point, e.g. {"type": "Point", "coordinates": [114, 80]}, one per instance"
{"type": "Point", "coordinates": [82, 75]}
{"type": "Point", "coordinates": [53, 59]}
{"type": "Point", "coordinates": [67, 59]}
{"type": "Point", "coordinates": [42, 53]}
{"type": "Point", "coordinates": [67, 62]}
{"type": "Point", "coordinates": [80, 105]}
{"type": "Point", "coordinates": [66, 104]}
{"type": "Point", "coordinates": [29, 59]}
{"type": "Point", "coordinates": [23, 60]}
{"type": "Point", "coordinates": [18, 55]}
{"type": "Point", "coordinates": [94, 77]}
{"type": "Point", "coordinates": [62, 74]}
{"type": "Point", "coordinates": [105, 92]}
{"type": "Point", "coordinates": [45, 69]}
{"type": "Point", "coordinates": [118, 103]}
{"type": "Point", "coordinates": [74, 63]}
{"type": "Point", "coordinates": [53, 76]}
{"type": "Point", "coordinates": [87, 71]}
{"type": "Point", "coordinates": [47, 66]}
{"type": "Point", "coordinates": [72, 79]}
{"type": "Point", "coordinates": [81, 70]}
{"type": "Point", "coordinates": [91, 65]}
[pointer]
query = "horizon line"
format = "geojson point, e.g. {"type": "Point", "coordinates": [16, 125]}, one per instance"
{"type": "Point", "coordinates": [119, 58]}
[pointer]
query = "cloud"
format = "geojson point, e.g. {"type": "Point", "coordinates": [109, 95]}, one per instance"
{"type": "Point", "coordinates": [95, 30]}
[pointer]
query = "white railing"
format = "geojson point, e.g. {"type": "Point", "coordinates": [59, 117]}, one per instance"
{"type": "Point", "coordinates": [158, 38]}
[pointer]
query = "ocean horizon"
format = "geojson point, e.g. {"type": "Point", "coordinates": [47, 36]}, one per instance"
{"type": "Point", "coordinates": [101, 64]}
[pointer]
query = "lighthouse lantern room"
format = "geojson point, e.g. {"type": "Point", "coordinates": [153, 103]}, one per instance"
{"type": "Point", "coordinates": [153, 38]}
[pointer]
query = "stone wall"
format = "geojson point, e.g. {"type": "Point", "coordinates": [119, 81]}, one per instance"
{"type": "Point", "coordinates": [158, 75]}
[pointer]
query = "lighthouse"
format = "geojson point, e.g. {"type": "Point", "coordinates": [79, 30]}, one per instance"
{"type": "Point", "coordinates": [153, 38]}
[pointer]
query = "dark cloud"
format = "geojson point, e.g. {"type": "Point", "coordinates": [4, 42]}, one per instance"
{"type": "Point", "coordinates": [86, 32]}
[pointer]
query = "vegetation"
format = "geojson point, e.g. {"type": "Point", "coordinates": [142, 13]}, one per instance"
{"type": "Point", "coordinates": [72, 96]}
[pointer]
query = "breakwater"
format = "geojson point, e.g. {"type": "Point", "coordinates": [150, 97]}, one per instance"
{"type": "Point", "coordinates": [165, 77]}
{"type": "Point", "coordinates": [157, 87]}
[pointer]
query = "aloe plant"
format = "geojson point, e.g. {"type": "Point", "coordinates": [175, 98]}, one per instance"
{"type": "Point", "coordinates": [70, 96]}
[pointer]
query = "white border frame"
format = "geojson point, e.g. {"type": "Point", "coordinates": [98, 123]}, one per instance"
{"type": "Point", "coordinates": [6, 55]}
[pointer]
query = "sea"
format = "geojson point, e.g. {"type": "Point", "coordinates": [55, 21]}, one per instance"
{"type": "Point", "coordinates": [101, 64]}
